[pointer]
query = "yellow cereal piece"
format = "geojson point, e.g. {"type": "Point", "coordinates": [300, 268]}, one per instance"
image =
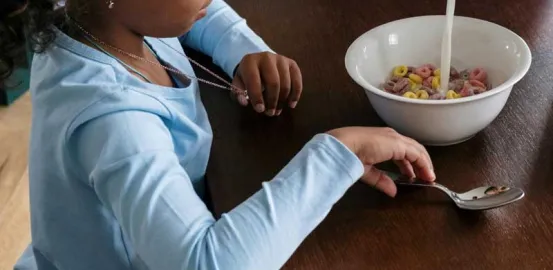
{"type": "Point", "coordinates": [436, 82]}
{"type": "Point", "coordinates": [400, 71]}
{"type": "Point", "coordinates": [451, 95]}
{"type": "Point", "coordinates": [415, 86]}
{"type": "Point", "coordinates": [410, 94]}
{"type": "Point", "coordinates": [437, 72]}
{"type": "Point", "coordinates": [421, 94]}
{"type": "Point", "coordinates": [416, 78]}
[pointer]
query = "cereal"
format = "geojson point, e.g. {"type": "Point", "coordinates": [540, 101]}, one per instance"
{"type": "Point", "coordinates": [451, 94]}
{"type": "Point", "coordinates": [421, 94]}
{"type": "Point", "coordinates": [430, 66]}
{"type": "Point", "coordinates": [423, 71]}
{"type": "Point", "coordinates": [478, 74]}
{"type": "Point", "coordinates": [436, 82]}
{"type": "Point", "coordinates": [423, 82]}
{"type": "Point", "coordinates": [416, 78]}
{"type": "Point", "coordinates": [400, 71]}
{"type": "Point", "coordinates": [410, 94]}
{"type": "Point", "coordinates": [464, 74]}
{"type": "Point", "coordinates": [401, 84]}
{"type": "Point", "coordinates": [476, 83]}
{"type": "Point", "coordinates": [414, 86]}
{"type": "Point", "coordinates": [428, 81]}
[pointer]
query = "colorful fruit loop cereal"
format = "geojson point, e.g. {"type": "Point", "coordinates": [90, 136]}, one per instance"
{"type": "Point", "coordinates": [423, 82]}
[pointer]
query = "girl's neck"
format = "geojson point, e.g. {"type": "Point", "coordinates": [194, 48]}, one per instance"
{"type": "Point", "coordinates": [108, 30]}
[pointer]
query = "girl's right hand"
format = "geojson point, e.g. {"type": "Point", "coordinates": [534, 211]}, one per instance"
{"type": "Point", "coordinates": [375, 145]}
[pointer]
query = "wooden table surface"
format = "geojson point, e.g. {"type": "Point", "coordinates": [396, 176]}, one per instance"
{"type": "Point", "coordinates": [15, 228]}
{"type": "Point", "coordinates": [420, 228]}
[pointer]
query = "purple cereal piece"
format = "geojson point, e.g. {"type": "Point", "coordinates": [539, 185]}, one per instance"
{"type": "Point", "coordinates": [401, 84]}
{"type": "Point", "coordinates": [429, 90]}
{"type": "Point", "coordinates": [464, 74]}
{"type": "Point", "coordinates": [404, 90]}
{"type": "Point", "coordinates": [395, 78]}
{"type": "Point", "coordinates": [453, 74]}
{"type": "Point", "coordinates": [436, 96]}
{"type": "Point", "coordinates": [478, 90]}
{"type": "Point", "coordinates": [389, 86]}
{"type": "Point", "coordinates": [456, 85]}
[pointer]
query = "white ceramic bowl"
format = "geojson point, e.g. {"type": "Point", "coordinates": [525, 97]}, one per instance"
{"type": "Point", "coordinates": [415, 41]}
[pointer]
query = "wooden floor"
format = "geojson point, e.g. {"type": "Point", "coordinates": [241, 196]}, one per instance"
{"type": "Point", "coordinates": [14, 192]}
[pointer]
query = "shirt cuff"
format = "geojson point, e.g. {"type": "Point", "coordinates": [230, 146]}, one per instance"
{"type": "Point", "coordinates": [344, 158]}
{"type": "Point", "coordinates": [239, 41]}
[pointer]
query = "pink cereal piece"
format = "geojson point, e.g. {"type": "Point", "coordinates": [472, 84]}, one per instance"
{"type": "Point", "coordinates": [436, 96]}
{"type": "Point", "coordinates": [423, 71]}
{"type": "Point", "coordinates": [467, 91]}
{"type": "Point", "coordinates": [478, 74]}
{"type": "Point", "coordinates": [428, 82]}
{"type": "Point", "coordinates": [401, 84]}
{"type": "Point", "coordinates": [477, 83]}
{"type": "Point", "coordinates": [430, 66]}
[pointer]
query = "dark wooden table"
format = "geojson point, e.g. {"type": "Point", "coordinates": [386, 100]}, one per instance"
{"type": "Point", "coordinates": [420, 228]}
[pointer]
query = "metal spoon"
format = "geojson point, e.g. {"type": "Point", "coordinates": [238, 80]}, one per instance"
{"type": "Point", "coordinates": [482, 198]}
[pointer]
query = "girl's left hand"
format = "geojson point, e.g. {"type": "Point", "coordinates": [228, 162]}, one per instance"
{"type": "Point", "coordinates": [272, 81]}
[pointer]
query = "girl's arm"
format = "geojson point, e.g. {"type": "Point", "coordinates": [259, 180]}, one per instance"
{"type": "Point", "coordinates": [224, 36]}
{"type": "Point", "coordinates": [130, 163]}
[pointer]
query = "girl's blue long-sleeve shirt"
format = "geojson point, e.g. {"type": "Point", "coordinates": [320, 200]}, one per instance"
{"type": "Point", "coordinates": [117, 164]}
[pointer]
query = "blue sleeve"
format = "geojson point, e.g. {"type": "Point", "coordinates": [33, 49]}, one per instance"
{"type": "Point", "coordinates": [224, 36]}
{"type": "Point", "coordinates": [130, 163]}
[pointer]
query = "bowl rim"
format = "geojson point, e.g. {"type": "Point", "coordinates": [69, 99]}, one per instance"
{"type": "Point", "coordinates": [511, 81]}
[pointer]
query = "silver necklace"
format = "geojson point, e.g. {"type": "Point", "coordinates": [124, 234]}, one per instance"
{"type": "Point", "coordinates": [229, 87]}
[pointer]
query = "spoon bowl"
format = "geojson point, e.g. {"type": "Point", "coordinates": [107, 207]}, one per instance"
{"type": "Point", "coordinates": [481, 198]}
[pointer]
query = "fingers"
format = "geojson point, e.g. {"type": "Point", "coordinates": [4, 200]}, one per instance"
{"type": "Point", "coordinates": [419, 158]}
{"type": "Point", "coordinates": [405, 168]}
{"type": "Point", "coordinates": [281, 77]}
{"type": "Point", "coordinates": [271, 80]}
{"type": "Point", "coordinates": [427, 160]}
{"type": "Point", "coordinates": [285, 83]}
{"type": "Point", "coordinates": [297, 85]}
{"type": "Point", "coordinates": [379, 180]}
{"type": "Point", "coordinates": [251, 78]}
{"type": "Point", "coordinates": [376, 145]}
{"type": "Point", "coordinates": [239, 97]}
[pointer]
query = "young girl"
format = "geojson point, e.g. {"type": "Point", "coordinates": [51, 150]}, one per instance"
{"type": "Point", "coordinates": [120, 141]}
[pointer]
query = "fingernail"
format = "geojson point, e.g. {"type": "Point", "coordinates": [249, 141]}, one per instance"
{"type": "Point", "coordinates": [259, 108]}
{"type": "Point", "coordinates": [293, 104]}
{"type": "Point", "coordinates": [270, 112]}
{"type": "Point", "coordinates": [278, 112]}
{"type": "Point", "coordinates": [432, 174]}
{"type": "Point", "coordinates": [242, 100]}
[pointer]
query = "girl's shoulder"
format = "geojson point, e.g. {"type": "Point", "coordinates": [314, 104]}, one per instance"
{"type": "Point", "coordinates": [71, 85]}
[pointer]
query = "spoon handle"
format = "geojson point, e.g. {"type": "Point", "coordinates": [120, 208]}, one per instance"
{"type": "Point", "coordinates": [402, 180]}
